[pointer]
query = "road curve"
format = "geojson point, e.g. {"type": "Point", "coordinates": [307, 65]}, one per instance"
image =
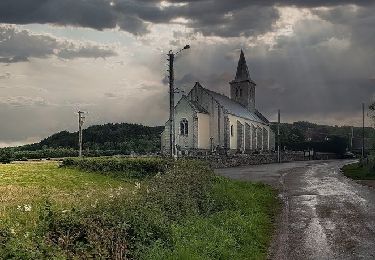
{"type": "Point", "coordinates": [325, 215]}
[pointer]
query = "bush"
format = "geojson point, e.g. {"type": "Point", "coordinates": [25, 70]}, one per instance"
{"type": "Point", "coordinates": [127, 228]}
{"type": "Point", "coordinates": [185, 213]}
{"type": "Point", "coordinates": [5, 157]}
{"type": "Point", "coordinates": [122, 167]}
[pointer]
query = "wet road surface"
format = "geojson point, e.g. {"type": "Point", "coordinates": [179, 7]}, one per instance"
{"type": "Point", "coordinates": [325, 215]}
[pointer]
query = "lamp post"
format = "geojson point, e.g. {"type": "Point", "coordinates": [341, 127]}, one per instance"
{"type": "Point", "coordinates": [171, 56]}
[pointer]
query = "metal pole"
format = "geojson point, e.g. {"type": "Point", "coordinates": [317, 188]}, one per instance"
{"type": "Point", "coordinates": [278, 136]}
{"type": "Point", "coordinates": [171, 104]}
{"type": "Point", "coordinates": [80, 132]}
{"type": "Point", "coordinates": [363, 130]}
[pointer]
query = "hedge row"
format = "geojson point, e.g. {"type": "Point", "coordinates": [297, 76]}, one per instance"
{"type": "Point", "coordinates": [123, 167]}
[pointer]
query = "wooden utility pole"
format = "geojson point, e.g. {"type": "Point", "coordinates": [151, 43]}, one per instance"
{"type": "Point", "coordinates": [171, 103]}
{"type": "Point", "coordinates": [81, 120]}
{"type": "Point", "coordinates": [363, 130]}
{"type": "Point", "coordinates": [278, 136]}
{"type": "Point", "coordinates": [172, 137]}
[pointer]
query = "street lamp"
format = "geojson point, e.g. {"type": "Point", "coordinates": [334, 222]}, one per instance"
{"type": "Point", "coordinates": [171, 57]}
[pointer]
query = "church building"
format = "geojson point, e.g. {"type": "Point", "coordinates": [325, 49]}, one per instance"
{"type": "Point", "coordinates": [206, 121]}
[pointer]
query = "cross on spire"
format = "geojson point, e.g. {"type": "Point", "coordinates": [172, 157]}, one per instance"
{"type": "Point", "coordinates": [242, 70]}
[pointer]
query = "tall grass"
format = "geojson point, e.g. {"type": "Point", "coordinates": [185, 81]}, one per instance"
{"type": "Point", "coordinates": [185, 212]}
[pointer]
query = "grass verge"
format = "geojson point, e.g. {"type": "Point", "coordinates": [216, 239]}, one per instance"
{"type": "Point", "coordinates": [357, 171]}
{"type": "Point", "coordinates": [184, 213]}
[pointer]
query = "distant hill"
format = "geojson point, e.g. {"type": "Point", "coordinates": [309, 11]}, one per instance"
{"type": "Point", "coordinates": [122, 137]}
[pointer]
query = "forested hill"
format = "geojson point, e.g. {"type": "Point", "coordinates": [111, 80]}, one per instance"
{"type": "Point", "coordinates": [122, 137]}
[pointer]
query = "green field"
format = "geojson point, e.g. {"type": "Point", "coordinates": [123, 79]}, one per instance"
{"type": "Point", "coordinates": [52, 212]}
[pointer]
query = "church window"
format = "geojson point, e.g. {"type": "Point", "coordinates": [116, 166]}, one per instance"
{"type": "Point", "coordinates": [231, 130]}
{"type": "Point", "coordinates": [184, 127]}
{"type": "Point", "coordinates": [237, 92]}
{"type": "Point", "coordinates": [240, 92]}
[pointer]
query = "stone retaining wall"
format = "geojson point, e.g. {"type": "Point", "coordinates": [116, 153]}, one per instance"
{"type": "Point", "coordinates": [226, 161]}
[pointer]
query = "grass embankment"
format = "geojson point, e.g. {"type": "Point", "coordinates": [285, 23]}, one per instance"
{"type": "Point", "coordinates": [183, 212]}
{"type": "Point", "coordinates": [358, 171]}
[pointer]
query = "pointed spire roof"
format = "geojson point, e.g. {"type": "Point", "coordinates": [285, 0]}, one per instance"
{"type": "Point", "coordinates": [242, 70]}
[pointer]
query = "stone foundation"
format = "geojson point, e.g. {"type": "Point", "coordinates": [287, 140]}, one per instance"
{"type": "Point", "coordinates": [235, 160]}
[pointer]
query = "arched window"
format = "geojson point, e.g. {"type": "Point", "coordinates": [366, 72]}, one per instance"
{"type": "Point", "coordinates": [240, 92]}
{"type": "Point", "coordinates": [237, 92]}
{"type": "Point", "coordinates": [184, 127]}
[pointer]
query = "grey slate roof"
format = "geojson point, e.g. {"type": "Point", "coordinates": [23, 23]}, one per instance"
{"type": "Point", "coordinates": [197, 107]}
{"type": "Point", "coordinates": [234, 108]}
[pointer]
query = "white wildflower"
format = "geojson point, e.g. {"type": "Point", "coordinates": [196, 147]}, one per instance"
{"type": "Point", "coordinates": [137, 185]}
{"type": "Point", "coordinates": [94, 204]}
{"type": "Point", "coordinates": [27, 207]}
{"type": "Point", "coordinates": [12, 231]}
{"type": "Point", "coordinates": [19, 207]}
{"type": "Point", "coordinates": [65, 211]}
{"type": "Point", "coordinates": [26, 235]}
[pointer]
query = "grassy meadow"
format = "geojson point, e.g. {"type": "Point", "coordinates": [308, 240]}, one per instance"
{"type": "Point", "coordinates": [101, 209]}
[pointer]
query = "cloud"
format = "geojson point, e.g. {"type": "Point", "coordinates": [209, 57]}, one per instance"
{"type": "Point", "coordinates": [210, 17]}
{"type": "Point", "coordinates": [23, 101]}
{"type": "Point", "coordinates": [6, 75]}
{"type": "Point", "coordinates": [19, 46]}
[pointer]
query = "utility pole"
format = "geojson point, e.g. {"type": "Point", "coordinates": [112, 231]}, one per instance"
{"type": "Point", "coordinates": [81, 120]}
{"type": "Point", "coordinates": [351, 139]}
{"type": "Point", "coordinates": [172, 139]}
{"type": "Point", "coordinates": [363, 130]}
{"type": "Point", "coordinates": [278, 136]}
{"type": "Point", "coordinates": [171, 103]}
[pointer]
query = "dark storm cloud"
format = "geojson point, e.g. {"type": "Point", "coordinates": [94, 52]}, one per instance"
{"type": "Point", "coordinates": [210, 17]}
{"type": "Point", "coordinates": [324, 68]}
{"type": "Point", "coordinates": [19, 46]}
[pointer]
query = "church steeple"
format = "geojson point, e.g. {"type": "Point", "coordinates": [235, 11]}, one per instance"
{"type": "Point", "coordinates": [242, 88]}
{"type": "Point", "coordinates": [242, 70]}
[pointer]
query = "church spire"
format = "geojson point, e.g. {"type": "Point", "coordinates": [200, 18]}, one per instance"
{"type": "Point", "coordinates": [242, 88]}
{"type": "Point", "coordinates": [242, 70]}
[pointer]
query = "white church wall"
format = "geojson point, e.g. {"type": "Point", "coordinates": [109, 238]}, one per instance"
{"type": "Point", "coordinates": [216, 114]}
{"type": "Point", "coordinates": [165, 139]}
{"type": "Point", "coordinates": [203, 131]}
{"type": "Point", "coordinates": [183, 110]}
{"type": "Point", "coordinates": [234, 138]}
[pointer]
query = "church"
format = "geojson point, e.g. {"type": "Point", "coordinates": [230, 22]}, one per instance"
{"type": "Point", "coordinates": [206, 121]}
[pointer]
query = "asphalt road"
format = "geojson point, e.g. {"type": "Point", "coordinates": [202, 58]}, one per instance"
{"type": "Point", "coordinates": [325, 215]}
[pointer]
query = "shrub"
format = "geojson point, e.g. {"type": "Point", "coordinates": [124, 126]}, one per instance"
{"type": "Point", "coordinates": [122, 167]}
{"type": "Point", "coordinates": [185, 213]}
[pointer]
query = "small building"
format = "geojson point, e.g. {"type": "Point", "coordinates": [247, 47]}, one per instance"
{"type": "Point", "coordinates": [209, 121]}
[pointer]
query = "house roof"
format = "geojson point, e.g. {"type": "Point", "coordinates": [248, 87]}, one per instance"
{"type": "Point", "coordinates": [236, 109]}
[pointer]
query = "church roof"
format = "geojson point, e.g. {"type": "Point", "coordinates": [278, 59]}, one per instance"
{"type": "Point", "coordinates": [193, 104]}
{"type": "Point", "coordinates": [234, 108]}
{"type": "Point", "coordinates": [242, 73]}
{"type": "Point", "coordinates": [197, 107]}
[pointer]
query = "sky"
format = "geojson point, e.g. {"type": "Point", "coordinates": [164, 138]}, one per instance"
{"type": "Point", "coordinates": [314, 60]}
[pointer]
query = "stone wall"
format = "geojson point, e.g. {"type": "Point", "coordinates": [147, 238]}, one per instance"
{"type": "Point", "coordinates": [234, 160]}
